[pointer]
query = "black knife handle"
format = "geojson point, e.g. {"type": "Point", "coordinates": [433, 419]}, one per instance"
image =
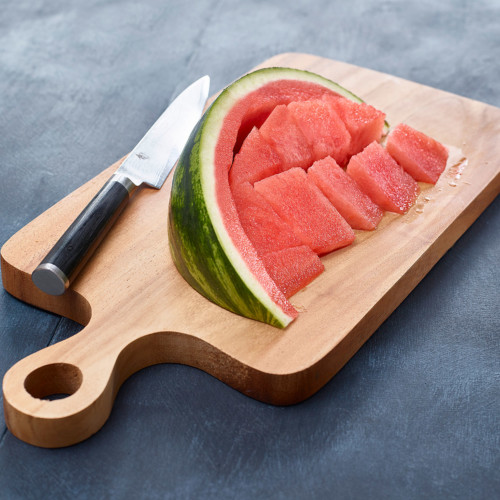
{"type": "Point", "coordinates": [60, 266]}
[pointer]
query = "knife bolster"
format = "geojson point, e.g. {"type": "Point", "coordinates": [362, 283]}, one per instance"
{"type": "Point", "coordinates": [126, 182]}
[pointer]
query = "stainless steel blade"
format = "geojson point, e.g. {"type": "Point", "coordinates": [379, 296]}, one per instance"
{"type": "Point", "coordinates": [157, 152]}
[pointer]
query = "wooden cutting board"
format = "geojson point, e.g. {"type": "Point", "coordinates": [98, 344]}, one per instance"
{"type": "Point", "coordinates": [139, 311]}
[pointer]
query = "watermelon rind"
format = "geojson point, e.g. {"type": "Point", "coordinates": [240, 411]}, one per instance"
{"type": "Point", "coordinates": [201, 245]}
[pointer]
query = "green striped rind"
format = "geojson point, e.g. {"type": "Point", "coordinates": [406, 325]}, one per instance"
{"type": "Point", "coordinates": [194, 245]}
{"type": "Point", "coordinates": [201, 247]}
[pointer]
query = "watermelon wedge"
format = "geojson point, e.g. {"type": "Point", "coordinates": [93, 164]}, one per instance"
{"type": "Point", "coordinates": [207, 241]}
{"type": "Point", "coordinates": [421, 156]}
{"type": "Point", "coordinates": [345, 195]}
{"type": "Point", "coordinates": [323, 129]}
{"type": "Point", "coordinates": [300, 203]}
{"type": "Point", "coordinates": [286, 138]}
{"type": "Point", "coordinates": [290, 264]}
{"type": "Point", "coordinates": [364, 122]}
{"type": "Point", "coordinates": [293, 268]}
{"type": "Point", "coordinates": [263, 226]}
{"type": "Point", "coordinates": [382, 179]}
{"type": "Point", "coordinates": [255, 161]}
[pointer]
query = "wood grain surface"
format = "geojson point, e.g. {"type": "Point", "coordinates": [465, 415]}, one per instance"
{"type": "Point", "coordinates": [138, 310]}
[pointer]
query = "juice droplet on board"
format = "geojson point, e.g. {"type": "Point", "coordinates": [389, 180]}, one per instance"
{"type": "Point", "coordinates": [419, 208]}
{"type": "Point", "coordinates": [457, 162]}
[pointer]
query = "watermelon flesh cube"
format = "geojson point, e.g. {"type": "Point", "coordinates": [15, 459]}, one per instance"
{"type": "Point", "coordinates": [364, 123]}
{"type": "Point", "coordinates": [281, 132]}
{"type": "Point", "coordinates": [307, 211]}
{"type": "Point", "coordinates": [323, 128]}
{"type": "Point", "coordinates": [421, 156]}
{"type": "Point", "coordinates": [382, 179]}
{"type": "Point", "coordinates": [293, 268]}
{"type": "Point", "coordinates": [264, 228]}
{"type": "Point", "coordinates": [255, 160]}
{"type": "Point", "coordinates": [345, 195]}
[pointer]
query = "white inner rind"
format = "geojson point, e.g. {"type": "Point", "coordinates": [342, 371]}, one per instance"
{"type": "Point", "coordinates": [210, 136]}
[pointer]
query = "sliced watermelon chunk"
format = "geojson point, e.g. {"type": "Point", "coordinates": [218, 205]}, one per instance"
{"type": "Point", "coordinates": [281, 132]}
{"type": "Point", "coordinates": [364, 122]}
{"type": "Point", "coordinates": [293, 268]}
{"type": "Point", "coordinates": [421, 156]}
{"type": "Point", "coordinates": [255, 160]}
{"type": "Point", "coordinates": [303, 206]}
{"type": "Point", "coordinates": [345, 195]}
{"type": "Point", "coordinates": [382, 179]}
{"type": "Point", "coordinates": [264, 228]}
{"type": "Point", "coordinates": [323, 128]}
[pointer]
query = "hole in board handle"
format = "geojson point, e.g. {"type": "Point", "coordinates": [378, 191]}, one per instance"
{"type": "Point", "coordinates": [54, 381]}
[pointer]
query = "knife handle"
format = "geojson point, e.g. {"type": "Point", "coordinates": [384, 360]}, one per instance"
{"type": "Point", "coordinates": [68, 256]}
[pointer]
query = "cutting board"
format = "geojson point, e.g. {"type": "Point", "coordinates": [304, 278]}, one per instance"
{"type": "Point", "coordinates": [138, 311]}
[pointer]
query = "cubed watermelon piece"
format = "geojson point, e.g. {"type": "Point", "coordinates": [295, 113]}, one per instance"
{"type": "Point", "coordinates": [264, 228]}
{"type": "Point", "coordinates": [364, 122]}
{"type": "Point", "coordinates": [303, 206]}
{"type": "Point", "coordinates": [255, 160]}
{"type": "Point", "coordinates": [281, 132]}
{"type": "Point", "coordinates": [293, 268]}
{"type": "Point", "coordinates": [323, 128]}
{"type": "Point", "coordinates": [345, 195]}
{"type": "Point", "coordinates": [382, 179]}
{"type": "Point", "coordinates": [421, 156]}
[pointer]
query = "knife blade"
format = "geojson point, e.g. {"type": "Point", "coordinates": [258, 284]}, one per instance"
{"type": "Point", "coordinates": [148, 163]}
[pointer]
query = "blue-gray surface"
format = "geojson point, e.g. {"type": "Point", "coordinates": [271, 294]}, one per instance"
{"type": "Point", "coordinates": [415, 414]}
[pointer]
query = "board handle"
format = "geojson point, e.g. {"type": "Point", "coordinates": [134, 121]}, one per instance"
{"type": "Point", "coordinates": [62, 394]}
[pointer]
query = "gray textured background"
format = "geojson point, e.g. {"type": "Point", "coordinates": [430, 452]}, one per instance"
{"type": "Point", "coordinates": [415, 414]}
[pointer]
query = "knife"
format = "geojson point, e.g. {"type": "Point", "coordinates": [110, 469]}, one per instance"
{"type": "Point", "coordinates": [149, 163]}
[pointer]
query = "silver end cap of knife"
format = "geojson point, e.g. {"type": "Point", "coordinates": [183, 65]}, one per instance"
{"type": "Point", "coordinates": [50, 279]}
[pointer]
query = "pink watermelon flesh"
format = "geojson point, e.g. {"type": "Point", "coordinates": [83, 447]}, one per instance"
{"type": "Point", "coordinates": [345, 195]}
{"type": "Point", "coordinates": [324, 130]}
{"type": "Point", "coordinates": [364, 122]}
{"type": "Point", "coordinates": [293, 268]}
{"type": "Point", "coordinates": [308, 212]}
{"type": "Point", "coordinates": [251, 111]}
{"type": "Point", "coordinates": [382, 179]}
{"type": "Point", "coordinates": [255, 160]}
{"type": "Point", "coordinates": [421, 156]}
{"type": "Point", "coordinates": [281, 132]}
{"type": "Point", "coordinates": [264, 228]}
{"type": "Point", "coordinates": [290, 264]}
